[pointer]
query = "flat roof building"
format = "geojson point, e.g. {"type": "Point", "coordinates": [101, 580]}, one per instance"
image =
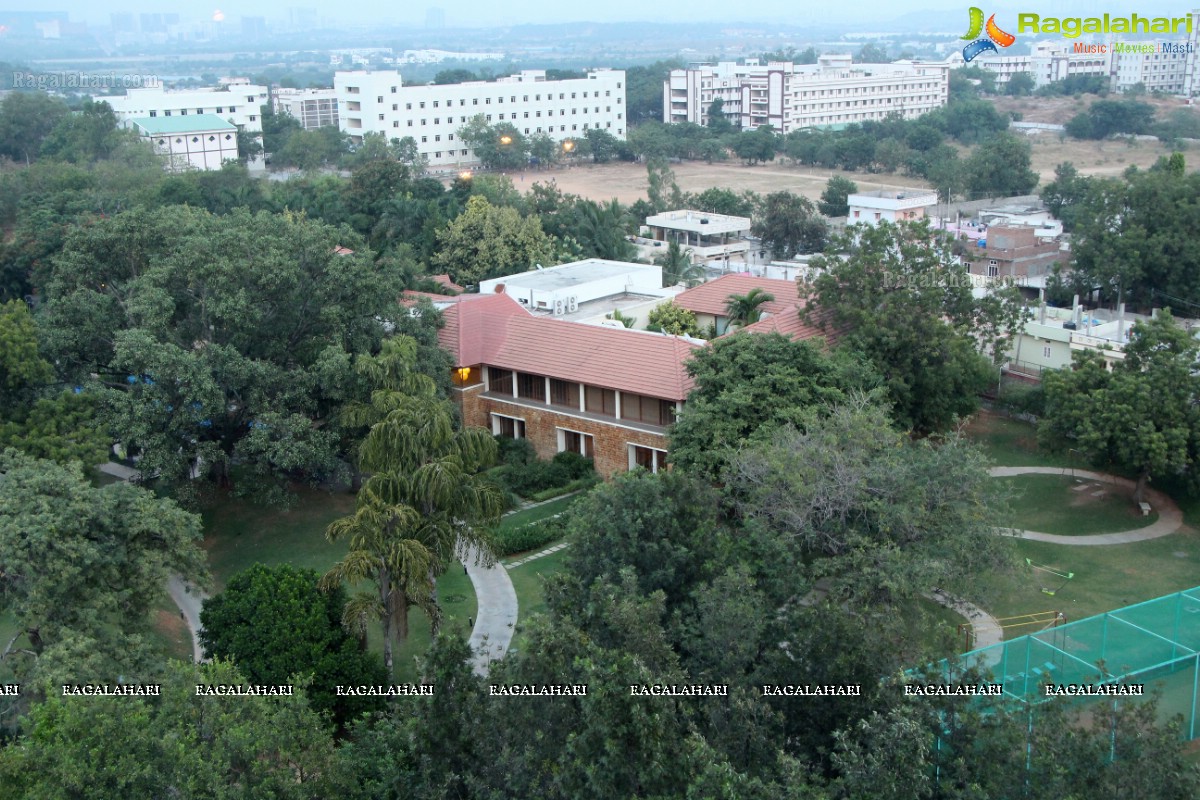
{"type": "Point", "coordinates": [379, 102]}
{"type": "Point", "coordinates": [707, 235]}
{"type": "Point", "coordinates": [237, 101]}
{"type": "Point", "coordinates": [889, 205]}
{"type": "Point", "coordinates": [831, 93]}
{"type": "Point", "coordinates": [198, 141]}
{"type": "Point", "coordinates": [314, 108]}
{"type": "Point", "coordinates": [562, 290]}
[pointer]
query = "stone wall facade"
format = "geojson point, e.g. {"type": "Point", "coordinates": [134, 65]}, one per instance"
{"type": "Point", "coordinates": [610, 440]}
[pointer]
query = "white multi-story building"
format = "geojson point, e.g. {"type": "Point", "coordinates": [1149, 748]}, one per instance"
{"type": "Point", "coordinates": [314, 108]}
{"type": "Point", "coordinates": [237, 101]}
{"type": "Point", "coordinates": [378, 102]}
{"type": "Point", "coordinates": [890, 205]}
{"type": "Point", "coordinates": [1156, 71]}
{"type": "Point", "coordinates": [196, 141]}
{"type": "Point", "coordinates": [1047, 62]}
{"type": "Point", "coordinates": [832, 92]}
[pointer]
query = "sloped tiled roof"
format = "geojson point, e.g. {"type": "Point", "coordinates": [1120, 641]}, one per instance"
{"type": "Point", "coordinates": [791, 323]}
{"type": "Point", "coordinates": [444, 280]}
{"type": "Point", "coordinates": [497, 331]}
{"type": "Point", "coordinates": [711, 297]}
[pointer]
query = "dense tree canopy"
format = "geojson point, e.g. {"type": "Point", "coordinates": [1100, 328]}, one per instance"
{"type": "Point", "coordinates": [487, 241]}
{"type": "Point", "coordinates": [215, 338]}
{"type": "Point", "coordinates": [906, 305]}
{"type": "Point", "coordinates": [789, 224]}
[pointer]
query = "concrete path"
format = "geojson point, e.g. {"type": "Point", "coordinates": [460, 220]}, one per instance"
{"type": "Point", "coordinates": [189, 603]}
{"type": "Point", "coordinates": [985, 627]}
{"type": "Point", "coordinates": [1170, 518]}
{"type": "Point", "coordinates": [496, 601]}
{"type": "Point", "coordinates": [189, 608]}
{"type": "Point", "coordinates": [535, 556]}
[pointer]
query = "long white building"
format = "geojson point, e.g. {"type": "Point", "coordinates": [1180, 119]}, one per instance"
{"type": "Point", "coordinates": [833, 92]}
{"type": "Point", "coordinates": [237, 101]}
{"type": "Point", "coordinates": [379, 102]}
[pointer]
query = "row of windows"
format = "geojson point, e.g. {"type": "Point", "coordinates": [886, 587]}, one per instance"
{"type": "Point", "coordinates": [647, 458]}
{"type": "Point", "coordinates": [513, 115]}
{"type": "Point", "coordinates": [196, 139]}
{"type": "Point", "coordinates": [487, 101]}
{"type": "Point", "coordinates": [183, 112]}
{"type": "Point", "coordinates": [566, 394]}
{"type": "Point", "coordinates": [550, 129]}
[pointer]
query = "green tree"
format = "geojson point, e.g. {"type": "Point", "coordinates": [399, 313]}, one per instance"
{"type": "Point", "coordinates": [720, 200]}
{"type": "Point", "coordinates": [221, 366]}
{"type": "Point", "coordinates": [760, 144]}
{"type": "Point", "coordinates": [617, 316]}
{"type": "Point", "coordinates": [871, 53]}
{"type": "Point", "coordinates": [22, 369]}
{"type": "Point", "coordinates": [83, 568]}
{"type": "Point", "coordinates": [1065, 193]}
{"type": "Point", "coordinates": [603, 145]}
{"type": "Point", "coordinates": [176, 745]}
{"type": "Point", "coordinates": [670, 318]}
{"type": "Point", "coordinates": [718, 122]}
{"type": "Point", "coordinates": [746, 309]}
{"type": "Point", "coordinates": [544, 150]}
{"type": "Point", "coordinates": [487, 242]}
{"type": "Point", "coordinates": [905, 303]}
{"type": "Point", "coordinates": [678, 266]}
{"type": "Point", "coordinates": [457, 75]}
{"type": "Point", "coordinates": [750, 385]}
{"type": "Point", "coordinates": [1019, 85]}
{"type": "Point", "coordinates": [789, 224]}
{"type": "Point", "coordinates": [26, 120]}
{"type": "Point", "coordinates": [601, 229]}
{"type": "Point", "coordinates": [1139, 417]}
{"type": "Point", "coordinates": [834, 200]}
{"type": "Point", "coordinates": [423, 505]}
{"type": "Point", "coordinates": [277, 129]}
{"type": "Point", "coordinates": [85, 136]}
{"type": "Point", "coordinates": [999, 167]}
{"type": "Point", "coordinates": [499, 146]}
{"type": "Point", "coordinates": [276, 624]}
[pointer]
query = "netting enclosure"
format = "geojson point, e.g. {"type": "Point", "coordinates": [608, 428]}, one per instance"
{"type": "Point", "coordinates": [1155, 643]}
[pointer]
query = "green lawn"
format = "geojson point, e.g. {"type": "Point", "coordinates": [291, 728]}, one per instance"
{"type": "Point", "coordinates": [1012, 443]}
{"type": "Point", "coordinates": [171, 632]}
{"type": "Point", "coordinates": [529, 581]}
{"type": "Point", "coordinates": [1106, 577]}
{"type": "Point", "coordinates": [1054, 504]}
{"type": "Point", "coordinates": [528, 515]}
{"type": "Point", "coordinates": [239, 534]}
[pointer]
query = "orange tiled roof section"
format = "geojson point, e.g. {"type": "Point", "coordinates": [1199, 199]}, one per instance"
{"type": "Point", "coordinates": [495, 330]}
{"type": "Point", "coordinates": [711, 297]}
{"type": "Point", "coordinates": [444, 280]}
{"type": "Point", "coordinates": [791, 323]}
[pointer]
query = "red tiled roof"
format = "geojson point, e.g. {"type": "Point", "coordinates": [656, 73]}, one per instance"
{"type": "Point", "coordinates": [711, 297]}
{"type": "Point", "coordinates": [411, 296]}
{"type": "Point", "coordinates": [342, 251]}
{"type": "Point", "coordinates": [498, 332]}
{"type": "Point", "coordinates": [791, 323]}
{"type": "Point", "coordinates": [444, 280]}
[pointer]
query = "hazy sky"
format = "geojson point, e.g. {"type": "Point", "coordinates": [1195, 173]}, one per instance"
{"type": "Point", "coordinates": [472, 13]}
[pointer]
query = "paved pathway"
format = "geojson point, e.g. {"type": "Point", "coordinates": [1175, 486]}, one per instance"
{"type": "Point", "coordinates": [189, 603]}
{"type": "Point", "coordinates": [497, 603]}
{"type": "Point", "coordinates": [985, 627]}
{"type": "Point", "coordinates": [1170, 518]}
{"type": "Point", "coordinates": [546, 552]}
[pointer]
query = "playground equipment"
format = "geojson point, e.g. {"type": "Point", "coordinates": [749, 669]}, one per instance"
{"type": "Point", "coordinates": [1066, 576]}
{"type": "Point", "coordinates": [1037, 621]}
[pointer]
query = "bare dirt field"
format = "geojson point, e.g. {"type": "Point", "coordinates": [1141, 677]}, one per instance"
{"type": "Point", "coordinates": [1059, 110]}
{"type": "Point", "coordinates": [627, 182]}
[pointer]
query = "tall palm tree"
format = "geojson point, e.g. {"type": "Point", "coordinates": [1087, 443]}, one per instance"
{"type": "Point", "coordinates": [424, 505]}
{"type": "Point", "coordinates": [677, 266]}
{"type": "Point", "coordinates": [745, 309]}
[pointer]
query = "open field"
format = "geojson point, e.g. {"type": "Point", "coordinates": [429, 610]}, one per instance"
{"type": "Point", "coordinates": [1059, 110]}
{"type": "Point", "coordinates": [1068, 507]}
{"type": "Point", "coordinates": [1105, 158]}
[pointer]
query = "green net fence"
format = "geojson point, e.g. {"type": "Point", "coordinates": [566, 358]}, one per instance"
{"type": "Point", "coordinates": [1155, 644]}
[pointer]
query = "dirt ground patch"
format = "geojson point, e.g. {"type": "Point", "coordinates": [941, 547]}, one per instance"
{"type": "Point", "coordinates": [1058, 110]}
{"type": "Point", "coordinates": [627, 182]}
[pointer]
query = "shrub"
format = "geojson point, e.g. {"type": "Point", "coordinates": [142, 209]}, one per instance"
{"type": "Point", "coordinates": [515, 452]}
{"type": "Point", "coordinates": [575, 464]}
{"type": "Point", "coordinates": [529, 537]}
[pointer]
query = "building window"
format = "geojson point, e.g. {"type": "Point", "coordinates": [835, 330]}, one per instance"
{"type": "Point", "coordinates": [647, 458]}
{"type": "Point", "coordinates": [531, 387]}
{"type": "Point", "coordinates": [564, 393]}
{"type": "Point", "coordinates": [1046, 351]}
{"type": "Point", "coordinates": [651, 410]}
{"type": "Point", "coordinates": [575, 442]}
{"type": "Point", "coordinates": [993, 269]}
{"type": "Point", "coordinates": [154, 113]}
{"type": "Point", "coordinates": [508, 427]}
{"type": "Point", "coordinates": [600, 401]}
{"type": "Point", "coordinates": [500, 380]}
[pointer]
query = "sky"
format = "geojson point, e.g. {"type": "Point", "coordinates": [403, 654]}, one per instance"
{"type": "Point", "coordinates": [478, 13]}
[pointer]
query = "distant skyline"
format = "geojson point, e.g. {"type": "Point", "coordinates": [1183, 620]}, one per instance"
{"type": "Point", "coordinates": [478, 13]}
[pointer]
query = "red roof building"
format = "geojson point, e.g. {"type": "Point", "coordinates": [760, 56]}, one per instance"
{"type": "Point", "coordinates": [607, 393]}
{"type": "Point", "coordinates": [708, 300]}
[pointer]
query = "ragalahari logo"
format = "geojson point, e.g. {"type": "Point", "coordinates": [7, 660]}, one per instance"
{"type": "Point", "coordinates": [994, 37]}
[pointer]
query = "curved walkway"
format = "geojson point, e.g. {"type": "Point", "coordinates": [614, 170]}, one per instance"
{"type": "Point", "coordinates": [1170, 518]}
{"type": "Point", "coordinates": [496, 601]}
{"type": "Point", "coordinates": [189, 604]}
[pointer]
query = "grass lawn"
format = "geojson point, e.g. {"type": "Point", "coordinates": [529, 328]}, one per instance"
{"type": "Point", "coordinates": [1012, 443]}
{"type": "Point", "coordinates": [1106, 577]}
{"type": "Point", "coordinates": [169, 628]}
{"type": "Point", "coordinates": [239, 534]}
{"type": "Point", "coordinates": [529, 581]}
{"type": "Point", "coordinates": [528, 515]}
{"type": "Point", "coordinates": [1055, 504]}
